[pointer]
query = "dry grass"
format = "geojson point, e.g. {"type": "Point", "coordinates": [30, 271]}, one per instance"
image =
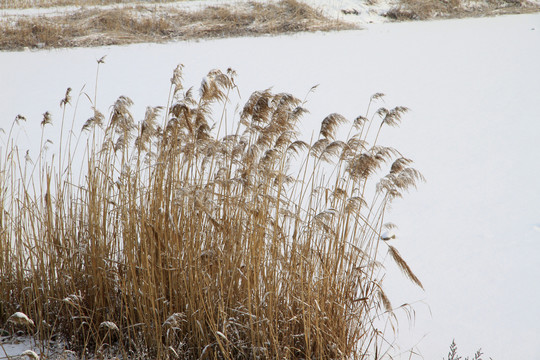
{"type": "Point", "coordinates": [25, 4]}
{"type": "Point", "coordinates": [147, 21]}
{"type": "Point", "coordinates": [186, 240]}
{"type": "Point", "coordinates": [429, 9]}
{"type": "Point", "coordinates": [98, 26]}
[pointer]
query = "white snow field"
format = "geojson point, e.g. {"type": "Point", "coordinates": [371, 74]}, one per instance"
{"type": "Point", "coordinates": [471, 232]}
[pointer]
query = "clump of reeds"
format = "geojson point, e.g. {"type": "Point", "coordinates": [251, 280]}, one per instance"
{"type": "Point", "coordinates": [185, 240]}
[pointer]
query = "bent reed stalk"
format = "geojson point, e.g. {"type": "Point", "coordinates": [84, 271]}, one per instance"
{"type": "Point", "coordinates": [179, 243]}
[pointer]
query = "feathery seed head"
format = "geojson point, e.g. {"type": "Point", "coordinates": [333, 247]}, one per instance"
{"type": "Point", "coordinates": [393, 117]}
{"type": "Point", "coordinates": [175, 320]}
{"type": "Point", "coordinates": [399, 164]}
{"type": "Point", "coordinates": [96, 120]}
{"type": "Point", "coordinates": [360, 121]}
{"type": "Point", "coordinates": [330, 124]}
{"type": "Point", "coordinates": [109, 325]}
{"type": "Point", "coordinates": [377, 96]}
{"type": "Point", "coordinates": [19, 117]}
{"type": "Point", "coordinates": [46, 118]}
{"type": "Point", "coordinates": [73, 300]}
{"type": "Point", "coordinates": [404, 266]}
{"type": "Point", "coordinates": [67, 98]}
{"type": "Point", "coordinates": [177, 78]}
{"type": "Point", "coordinates": [214, 85]}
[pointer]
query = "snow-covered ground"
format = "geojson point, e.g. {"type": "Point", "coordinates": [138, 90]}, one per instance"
{"type": "Point", "coordinates": [471, 233]}
{"type": "Point", "coordinates": [353, 11]}
{"type": "Point", "coordinates": [358, 12]}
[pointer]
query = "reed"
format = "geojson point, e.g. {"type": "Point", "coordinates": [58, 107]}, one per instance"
{"type": "Point", "coordinates": [182, 239]}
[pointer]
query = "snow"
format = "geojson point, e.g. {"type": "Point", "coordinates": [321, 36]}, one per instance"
{"type": "Point", "coordinates": [388, 235]}
{"type": "Point", "coordinates": [470, 232]}
{"type": "Point", "coordinates": [16, 346]}
{"type": "Point", "coordinates": [21, 319]}
{"type": "Point", "coordinates": [24, 347]}
{"type": "Point", "coordinates": [356, 11]}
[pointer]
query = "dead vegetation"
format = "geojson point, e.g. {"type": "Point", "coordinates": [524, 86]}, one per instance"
{"type": "Point", "coordinates": [102, 26]}
{"type": "Point", "coordinates": [154, 21]}
{"type": "Point", "coordinates": [430, 9]}
{"type": "Point", "coordinates": [189, 237]}
{"type": "Point", "coordinates": [25, 4]}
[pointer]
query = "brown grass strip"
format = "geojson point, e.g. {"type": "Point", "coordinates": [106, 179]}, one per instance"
{"type": "Point", "coordinates": [26, 4]}
{"type": "Point", "coordinates": [432, 9]}
{"type": "Point", "coordinates": [96, 27]}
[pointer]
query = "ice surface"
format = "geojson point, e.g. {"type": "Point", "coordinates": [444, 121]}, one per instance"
{"type": "Point", "coordinates": [473, 87]}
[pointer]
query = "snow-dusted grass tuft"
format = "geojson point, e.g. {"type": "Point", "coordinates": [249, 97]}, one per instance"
{"type": "Point", "coordinates": [185, 237]}
{"type": "Point", "coordinates": [20, 318]}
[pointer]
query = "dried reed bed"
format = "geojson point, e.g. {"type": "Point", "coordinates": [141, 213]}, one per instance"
{"type": "Point", "coordinates": [185, 240]}
{"type": "Point", "coordinates": [25, 4]}
{"type": "Point", "coordinates": [429, 9]}
{"type": "Point", "coordinates": [130, 24]}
